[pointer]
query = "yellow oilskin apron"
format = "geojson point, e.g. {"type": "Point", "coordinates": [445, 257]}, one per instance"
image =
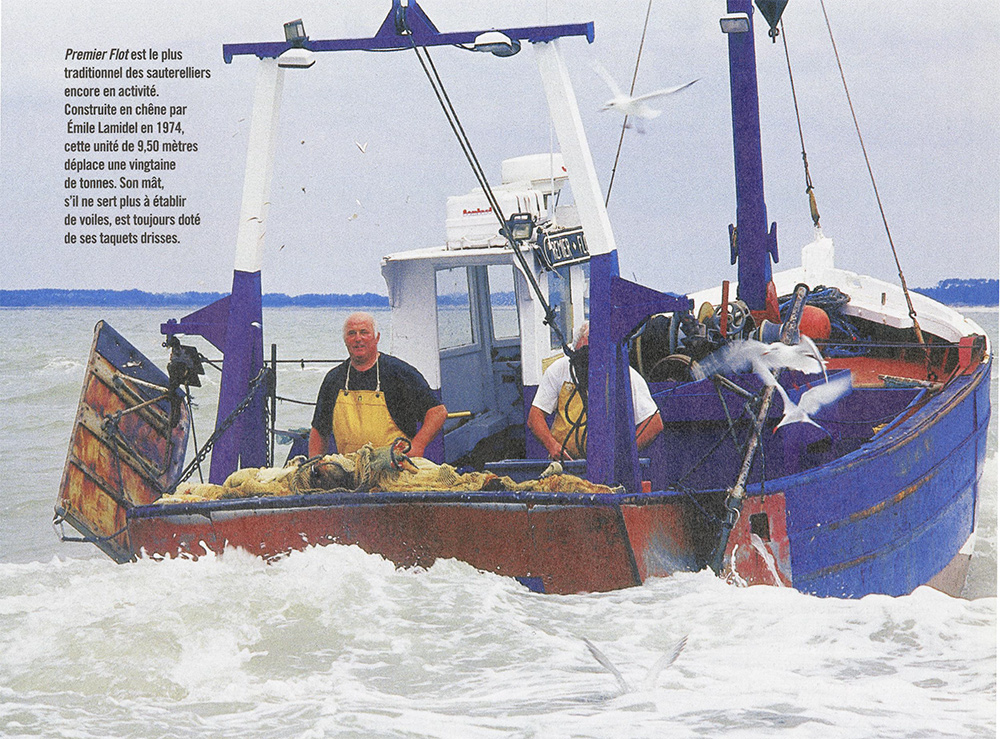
{"type": "Point", "coordinates": [361, 417]}
{"type": "Point", "coordinates": [570, 422]}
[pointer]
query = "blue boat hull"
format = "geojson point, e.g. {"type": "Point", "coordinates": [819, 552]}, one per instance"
{"type": "Point", "coordinates": [891, 516]}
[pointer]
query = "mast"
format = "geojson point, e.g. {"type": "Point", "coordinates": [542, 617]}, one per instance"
{"type": "Point", "coordinates": [246, 446]}
{"type": "Point", "coordinates": [752, 245]}
{"type": "Point", "coordinates": [609, 407]}
{"type": "Point", "coordinates": [616, 305]}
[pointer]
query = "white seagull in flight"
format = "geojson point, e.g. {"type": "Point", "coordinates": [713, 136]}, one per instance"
{"type": "Point", "coordinates": [634, 107]}
{"type": "Point", "coordinates": [804, 356]}
{"type": "Point", "coordinates": [749, 354]}
{"type": "Point", "coordinates": [811, 401]}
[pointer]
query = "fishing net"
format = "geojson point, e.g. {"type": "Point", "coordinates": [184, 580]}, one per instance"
{"type": "Point", "coordinates": [371, 469]}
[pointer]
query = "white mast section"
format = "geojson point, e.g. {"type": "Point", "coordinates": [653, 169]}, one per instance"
{"type": "Point", "coordinates": [566, 119]}
{"type": "Point", "coordinates": [260, 163]}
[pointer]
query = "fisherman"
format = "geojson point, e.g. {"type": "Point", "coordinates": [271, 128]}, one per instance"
{"type": "Point", "coordinates": [373, 398]}
{"type": "Point", "coordinates": [559, 391]}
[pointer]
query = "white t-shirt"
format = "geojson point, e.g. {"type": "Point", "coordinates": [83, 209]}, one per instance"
{"type": "Point", "coordinates": [558, 373]}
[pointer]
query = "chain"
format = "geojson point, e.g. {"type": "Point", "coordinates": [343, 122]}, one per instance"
{"type": "Point", "coordinates": [263, 376]}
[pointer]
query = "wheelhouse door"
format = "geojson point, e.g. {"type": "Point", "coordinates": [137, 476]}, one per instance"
{"type": "Point", "coordinates": [480, 353]}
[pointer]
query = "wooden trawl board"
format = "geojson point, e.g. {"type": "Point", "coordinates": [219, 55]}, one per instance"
{"type": "Point", "coordinates": [107, 472]}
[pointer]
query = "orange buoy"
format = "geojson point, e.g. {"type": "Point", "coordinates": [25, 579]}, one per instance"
{"type": "Point", "coordinates": [815, 323]}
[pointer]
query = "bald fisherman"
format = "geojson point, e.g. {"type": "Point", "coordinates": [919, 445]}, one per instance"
{"type": "Point", "coordinates": [373, 398]}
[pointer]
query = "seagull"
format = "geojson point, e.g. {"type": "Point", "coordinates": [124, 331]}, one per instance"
{"type": "Point", "coordinates": [733, 358]}
{"type": "Point", "coordinates": [608, 665]}
{"type": "Point", "coordinates": [750, 354]}
{"type": "Point", "coordinates": [363, 147]}
{"type": "Point", "coordinates": [803, 356]}
{"type": "Point", "coordinates": [665, 660]}
{"type": "Point", "coordinates": [634, 106]}
{"type": "Point", "coordinates": [811, 401]}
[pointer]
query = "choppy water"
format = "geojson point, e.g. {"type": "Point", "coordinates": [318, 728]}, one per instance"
{"type": "Point", "coordinates": [335, 642]}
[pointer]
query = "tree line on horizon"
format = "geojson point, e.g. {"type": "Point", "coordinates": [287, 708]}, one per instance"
{"type": "Point", "coordinates": [975, 291]}
{"type": "Point", "coordinates": [964, 292]}
{"type": "Point", "coordinates": [49, 298]}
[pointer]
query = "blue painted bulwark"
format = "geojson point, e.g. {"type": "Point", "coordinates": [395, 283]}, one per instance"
{"type": "Point", "coordinates": [618, 307]}
{"type": "Point", "coordinates": [612, 457]}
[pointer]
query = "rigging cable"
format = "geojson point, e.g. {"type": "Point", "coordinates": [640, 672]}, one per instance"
{"type": "Point", "coordinates": [631, 90]}
{"type": "Point", "coordinates": [871, 175]}
{"type": "Point", "coordinates": [813, 209]}
{"type": "Point", "coordinates": [456, 126]}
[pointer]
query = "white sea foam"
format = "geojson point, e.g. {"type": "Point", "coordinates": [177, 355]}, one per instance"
{"type": "Point", "coordinates": [333, 637]}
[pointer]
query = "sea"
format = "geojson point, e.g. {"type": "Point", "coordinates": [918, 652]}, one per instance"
{"type": "Point", "coordinates": [336, 642]}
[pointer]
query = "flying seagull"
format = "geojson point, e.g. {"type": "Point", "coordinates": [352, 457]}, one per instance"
{"type": "Point", "coordinates": [749, 354]}
{"type": "Point", "coordinates": [803, 356]}
{"type": "Point", "coordinates": [634, 107]}
{"type": "Point", "coordinates": [811, 401]}
{"type": "Point", "coordinates": [665, 660]}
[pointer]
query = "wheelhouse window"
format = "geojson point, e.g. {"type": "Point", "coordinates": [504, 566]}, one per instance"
{"type": "Point", "coordinates": [503, 302]}
{"type": "Point", "coordinates": [454, 308]}
{"type": "Point", "coordinates": [561, 301]}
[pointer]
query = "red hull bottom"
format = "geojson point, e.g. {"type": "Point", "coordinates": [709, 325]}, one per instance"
{"type": "Point", "coordinates": [551, 548]}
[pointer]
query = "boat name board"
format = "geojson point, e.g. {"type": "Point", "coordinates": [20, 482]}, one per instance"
{"type": "Point", "coordinates": [562, 248]}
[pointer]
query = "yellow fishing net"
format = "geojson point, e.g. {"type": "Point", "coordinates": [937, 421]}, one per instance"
{"type": "Point", "coordinates": [373, 470]}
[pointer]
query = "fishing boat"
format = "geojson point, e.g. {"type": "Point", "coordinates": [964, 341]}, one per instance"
{"type": "Point", "coordinates": [872, 491]}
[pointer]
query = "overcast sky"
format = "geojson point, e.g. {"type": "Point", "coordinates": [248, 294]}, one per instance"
{"type": "Point", "coordinates": [923, 77]}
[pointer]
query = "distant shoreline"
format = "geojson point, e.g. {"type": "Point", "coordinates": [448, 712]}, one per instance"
{"type": "Point", "coordinates": [52, 298]}
{"type": "Point", "coordinates": [971, 293]}
{"type": "Point", "coordinates": [954, 292]}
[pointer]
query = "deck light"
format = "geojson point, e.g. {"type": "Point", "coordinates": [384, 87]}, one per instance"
{"type": "Point", "coordinates": [295, 32]}
{"type": "Point", "coordinates": [735, 23]}
{"type": "Point", "coordinates": [297, 57]}
{"type": "Point", "coordinates": [496, 43]}
{"type": "Point", "coordinates": [520, 226]}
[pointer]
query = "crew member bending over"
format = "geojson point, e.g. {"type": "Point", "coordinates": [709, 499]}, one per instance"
{"type": "Point", "coordinates": [558, 392]}
{"type": "Point", "coordinates": [373, 398]}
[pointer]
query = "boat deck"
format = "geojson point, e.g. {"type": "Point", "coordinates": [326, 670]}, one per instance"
{"type": "Point", "coordinates": [868, 371]}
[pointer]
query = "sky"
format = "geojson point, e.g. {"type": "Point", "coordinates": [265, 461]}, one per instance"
{"type": "Point", "coordinates": [923, 77]}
